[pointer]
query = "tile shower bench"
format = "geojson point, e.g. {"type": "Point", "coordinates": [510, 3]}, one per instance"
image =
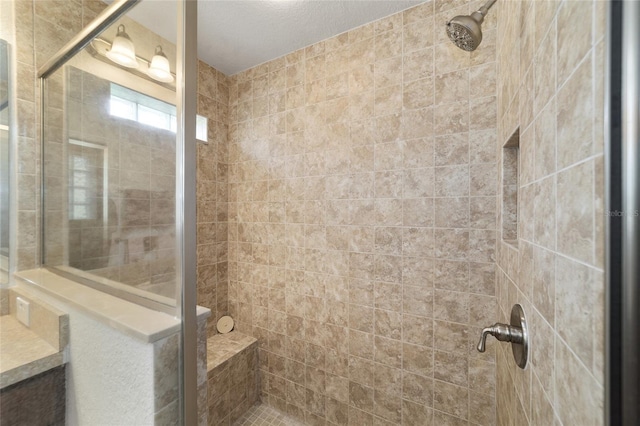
{"type": "Point", "coordinates": [232, 376]}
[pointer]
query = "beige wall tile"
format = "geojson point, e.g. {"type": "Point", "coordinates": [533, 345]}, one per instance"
{"type": "Point", "coordinates": [451, 399]}
{"type": "Point", "coordinates": [579, 397]}
{"type": "Point", "coordinates": [556, 225]}
{"type": "Point", "coordinates": [452, 149]}
{"type": "Point", "coordinates": [574, 212]}
{"type": "Point", "coordinates": [574, 39]}
{"type": "Point", "coordinates": [545, 70]}
{"type": "Point", "coordinates": [364, 101]}
{"type": "Point", "coordinates": [575, 101]}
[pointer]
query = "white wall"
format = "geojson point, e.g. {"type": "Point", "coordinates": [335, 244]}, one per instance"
{"type": "Point", "coordinates": [109, 375]}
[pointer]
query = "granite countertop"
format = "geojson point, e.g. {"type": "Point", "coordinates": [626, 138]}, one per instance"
{"type": "Point", "coordinates": [23, 353]}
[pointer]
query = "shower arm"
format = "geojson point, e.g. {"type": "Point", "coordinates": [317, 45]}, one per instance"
{"type": "Point", "coordinates": [479, 14]}
{"type": "Point", "coordinates": [484, 9]}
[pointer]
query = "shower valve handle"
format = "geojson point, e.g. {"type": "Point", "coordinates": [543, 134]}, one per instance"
{"type": "Point", "coordinates": [517, 332]}
{"type": "Point", "coordinates": [502, 332]}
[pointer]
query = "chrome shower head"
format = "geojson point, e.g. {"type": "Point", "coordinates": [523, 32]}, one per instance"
{"type": "Point", "coordinates": [465, 31]}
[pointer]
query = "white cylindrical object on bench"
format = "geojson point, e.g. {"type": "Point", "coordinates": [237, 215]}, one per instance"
{"type": "Point", "coordinates": [225, 324]}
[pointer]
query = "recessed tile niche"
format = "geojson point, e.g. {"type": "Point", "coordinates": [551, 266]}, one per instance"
{"type": "Point", "coordinates": [510, 158]}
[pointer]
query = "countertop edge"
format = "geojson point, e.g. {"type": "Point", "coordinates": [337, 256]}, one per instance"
{"type": "Point", "coordinates": [31, 369]}
{"type": "Point", "coordinates": [133, 320]}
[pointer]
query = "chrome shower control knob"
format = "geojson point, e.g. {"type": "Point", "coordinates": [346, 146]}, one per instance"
{"type": "Point", "coordinates": [502, 332]}
{"type": "Point", "coordinates": [516, 333]}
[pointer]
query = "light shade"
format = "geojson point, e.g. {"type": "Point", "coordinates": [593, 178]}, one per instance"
{"type": "Point", "coordinates": [122, 50]}
{"type": "Point", "coordinates": [159, 67]}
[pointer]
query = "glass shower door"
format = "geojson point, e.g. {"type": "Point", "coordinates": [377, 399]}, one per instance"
{"type": "Point", "coordinates": [118, 139]}
{"type": "Point", "coordinates": [110, 168]}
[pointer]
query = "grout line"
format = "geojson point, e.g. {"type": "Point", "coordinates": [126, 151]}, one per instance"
{"type": "Point", "coordinates": [402, 191]}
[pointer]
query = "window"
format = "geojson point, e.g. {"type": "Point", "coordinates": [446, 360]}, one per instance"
{"type": "Point", "coordinates": [88, 184]}
{"type": "Point", "coordinates": [83, 183]}
{"type": "Point", "coordinates": [201, 128]}
{"type": "Point", "coordinates": [131, 105]}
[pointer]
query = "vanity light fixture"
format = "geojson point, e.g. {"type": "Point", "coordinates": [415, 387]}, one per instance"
{"type": "Point", "coordinates": [159, 67]}
{"type": "Point", "coordinates": [122, 51]}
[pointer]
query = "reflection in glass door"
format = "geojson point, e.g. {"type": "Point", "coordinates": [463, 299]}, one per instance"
{"type": "Point", "coordinates": [118, 144]}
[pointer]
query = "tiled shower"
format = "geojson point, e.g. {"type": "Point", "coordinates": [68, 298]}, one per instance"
{"type": "Point", "coordinates": [350, 212]}
{"type": "Point", "coordinates": [362, 222]}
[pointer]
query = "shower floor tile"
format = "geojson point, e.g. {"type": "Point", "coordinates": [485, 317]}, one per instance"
{"type": "Point", "coordinates": [262, 414]}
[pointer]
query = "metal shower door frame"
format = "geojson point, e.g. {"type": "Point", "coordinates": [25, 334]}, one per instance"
{"type": "Point", "coordinates": [622, 198]}
{"type": "Point", "coordinates": [186, 101]}
{"type": "Point", "coordinates": [186, 155]}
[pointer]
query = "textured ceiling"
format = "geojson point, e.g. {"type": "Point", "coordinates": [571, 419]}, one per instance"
{"type": "Point", "coordinates": [234, 35]}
